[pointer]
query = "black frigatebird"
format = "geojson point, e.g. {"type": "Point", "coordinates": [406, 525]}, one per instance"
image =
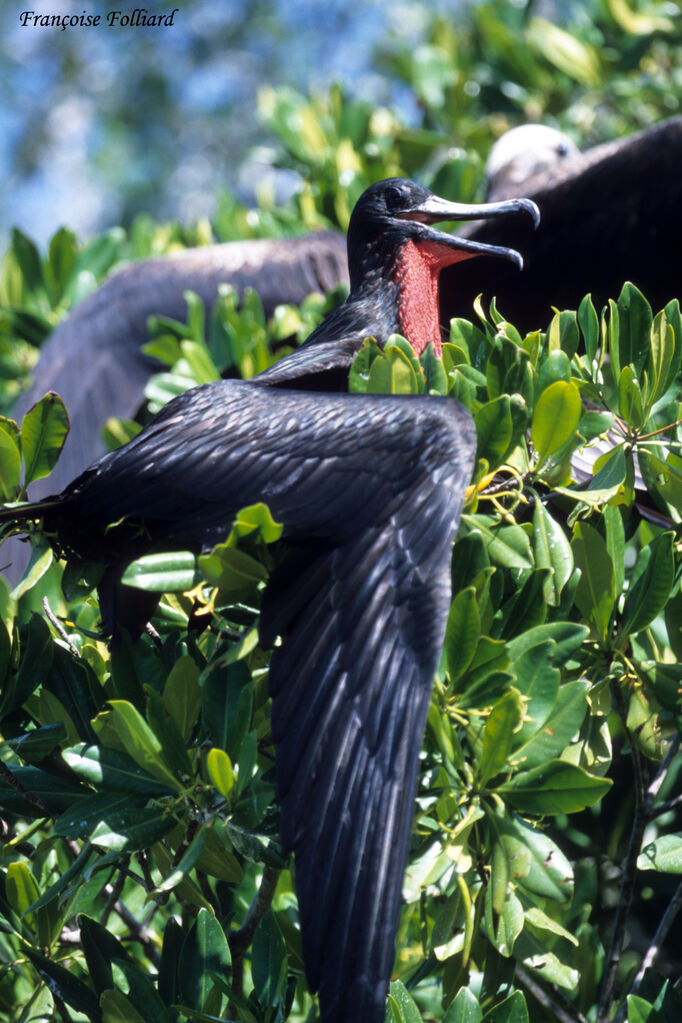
{"type": "Point", "coordinates": [369, 489]}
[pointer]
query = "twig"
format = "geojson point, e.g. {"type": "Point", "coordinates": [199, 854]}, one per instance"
{"type": "Point", "coordinates": [139, 932]}
{"type": "Point", "coordinates": [114, 893]}
{"type": "Point", "coordinates": [239, 941]}
{"type": "Point", "coordinates": [563, 1013]}
{"type": "Point", "coordinates": [54, 621]}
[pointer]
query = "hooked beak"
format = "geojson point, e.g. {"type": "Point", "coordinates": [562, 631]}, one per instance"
{"type": "Point", "coordinates": [435, 209]}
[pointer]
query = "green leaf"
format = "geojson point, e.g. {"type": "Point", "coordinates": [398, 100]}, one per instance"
{"type": "Point", "coordinates": [22, 890]}
{"type": "Point", "coordinates": [269, 961]}
{"type": "Point", "coordinates": [507, 546]}
{"type": "Point", "coordinates": [232, 571]}
{"type": "Point", "coordinates": [630, 401]}
{"type": "Point", "coordinates": [664, 854]}
{"type": "Point", "coordinates": [462, 632]}
{"type": "Point", "coordinates": [112, 770]}
{"type": "Point", "coordinates": [227, 704]}
{"type": "Point", "coordinates": [502, 722]}
{"type": "Point", "coordinates": [33, 746]}
{"type": "Point", "coordinates": [634, 328]}
{"type": "Point", "coordinates": [219, 771]}
{"type": "Point", "coordinates": [100, 947]}
{"type": "Point", "coordinates": [539, 921]}
{"type": "Point", "coordinates": [182, 694]}
{"type": "Point", "coordinates": [61, 263]}
{"type": "Point", "coordinates": [10, 460]}
{"type": "Point", "coordinates": [29, 261]}
{"type": "Point", "coordinates": [589, 325]}
{"type": "Point", "coordinates": [43, 432]}
{"type": "Point", "coordinates": [162, 573]}
{"type": "Point", "coordinates": [511, 1010]}
{"type": "Point", "coordinates": [494, 430]}
{"type": "Point", "coordinates": [393, 373]}
{"type": "Point", "coordinates": [641, 1011]}
{"type": "Point", "coordinates": [42, 557]}
{"type": "Point", "coordinates": [557, 730]}
{"type": "Point", "coordinates": [401, 1007]}
{"type": "Point", "coordinates": [660, 359]}
{"type": "Point", "coordinates": [139, 740]}
{"type": "Point", "coordinates": [464, 1009]}
{"type": "Point", "coordinates": [205, 949]}
{"type": "Point", "coordinates": [255, 518]}
{"type": "Point", "coordinates": [555, 420]}
{"type": "Point", "coordinates": [116, 1008]}
{"type": "Point", "coordinates": [595, 595]}
{"type": "Point", "coordinates": [568, 637]}
{"type": "Point", "coordinates": [563, 333]}
{"type": "Point", "coordinates": [554, 787]}
{"type": "Point", "coordinates": [66, 986]}
{"type": "Point", "coordinates": [650, 589]}
{"type": "Point", "coordinates": [553, 551]}
{"type": "Point", "coordinates": [549, 873]}
{"type": "Point", "coordinates": [188, 862]}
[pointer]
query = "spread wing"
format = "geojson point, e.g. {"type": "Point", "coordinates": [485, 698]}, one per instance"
{"type": "Point", "coordinates": [370, 490]}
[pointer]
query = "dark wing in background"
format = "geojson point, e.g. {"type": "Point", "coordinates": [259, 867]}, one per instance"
{"type": "Point", "coordinates": [369, 489]}
{"type": "Point", "coordinates": [93, 358]}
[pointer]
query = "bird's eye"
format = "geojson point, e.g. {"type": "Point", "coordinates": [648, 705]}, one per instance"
{"type": "Point", "coordinates": [562, 149]}
{"type": "Point", "coordinates": [393, 198]}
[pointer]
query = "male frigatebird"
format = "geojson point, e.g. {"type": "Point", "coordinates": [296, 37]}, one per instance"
{"type": "Point", "coordinates": [369, 490]}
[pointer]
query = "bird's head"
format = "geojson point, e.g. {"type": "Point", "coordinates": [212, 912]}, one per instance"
{"type": "Point", "coordinates": [392, 240]}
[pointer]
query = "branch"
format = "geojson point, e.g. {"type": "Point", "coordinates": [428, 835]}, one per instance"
{"type": "Point", "coordinates": [239, 941]}
{"type": "Point", "coordinates": [562, 1012]}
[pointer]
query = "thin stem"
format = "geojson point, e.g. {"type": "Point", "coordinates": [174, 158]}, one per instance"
{"type": "Point", "coordinates": [54, 621]}
{"type": "Point", "coordinates": [562, 1012]}
{"type": "Point", "coordinates": [239, 941]}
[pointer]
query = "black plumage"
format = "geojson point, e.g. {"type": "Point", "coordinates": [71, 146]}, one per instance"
{"type": "Point", "coordinates": [370, 490]}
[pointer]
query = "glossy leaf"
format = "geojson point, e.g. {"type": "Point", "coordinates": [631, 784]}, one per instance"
{"type": "Point", "coordinates": [511, 1010]}
{"type": "Point", "coordinates": [401, 1006]}
{"type": "Point", "coordinates": [553, 551]}
{"type": "Point", "coordinates": [464, 1009]}
{"type": "Point", "coordinates": [205, 949]}
{"type": "Point", "coordinates": [139, 740]}
{"type": "Point", "coordinates": [219, 771]}
{"type": "Point", "coordinates": [112, 770]}
{"type": "Point", "coordinates": [269, 961]}
{"type": "Point", "coordinates": [664, 853]}
{"type": "Point", "coordinates": [555, 420]}
{"type": "Point", "coordinates": [650, 588]}
{"type": "Point", "coordinates": [161, 573]}
{"type": "Point", "coordinates": [462, 632]}
{"type": "Point", "coordinates": [43, 432]}
{"type": "Point", "coordinates": [596, 592]}
{"type": "Point", "coordinates": [554, 787]}
{"type": "Point", "coordinates": [10, 460]}
{"type": "Point", "coordinates": [504, 719]}
{"type": "Point", "coordinates": [182, 695]}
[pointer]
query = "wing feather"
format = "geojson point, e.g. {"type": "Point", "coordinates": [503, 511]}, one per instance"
{"type": "Point", "coordinates": [369, 489]}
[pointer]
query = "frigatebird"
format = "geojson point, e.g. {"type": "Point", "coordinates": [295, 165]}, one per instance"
{"type": "Point", "coordinates": [369, 489]}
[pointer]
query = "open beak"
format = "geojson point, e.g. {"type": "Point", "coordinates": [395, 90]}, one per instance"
{"type": "Point", "coordinates": [434, 209]}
